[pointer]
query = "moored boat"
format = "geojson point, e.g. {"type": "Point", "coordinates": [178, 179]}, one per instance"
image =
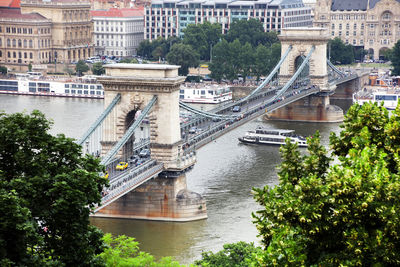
{"type": "Point", "coordinates": [204, 93]}
{"type": "Point", "coordinates": [265, 136]}
{"type": "Point", "coordinates": [388, 98]}
{"type": "Point", "coordinates": [85, 87]}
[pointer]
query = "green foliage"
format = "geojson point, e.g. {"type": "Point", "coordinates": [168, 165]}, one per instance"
{"type": "Point", "coordinates": [340, 53]}
{"type": "Point", "coordinates": [47, 190]}
{"type": "Point", "coordinates": [30, 67]}
{"type": "Point", "coordinates": [156, 49]}
{"type": "Point", "coordinates": [394, 56]}
{"type": "Point", "coordinates": [345, 215]}
{"type": "Point", "coordinates": [98, 69]}
{"type": "Point", "coordinates": [124, 251]}
{"type": "Point", "coordinates": [202, 37]}
{"type": "Point", "coordinates": [3, 70]}
{"type": "Point", "coordinates": [239, 254]}
{"type": "Point", "coordinates": [184, 56]}
{"type": "Point", "coordinates": [250, 31]}
{"type": "Point", "coordinates": [81, 67]}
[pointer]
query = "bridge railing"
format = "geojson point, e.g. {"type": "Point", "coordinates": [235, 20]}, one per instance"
{"type": "Point", "coordinates": [128, 181]}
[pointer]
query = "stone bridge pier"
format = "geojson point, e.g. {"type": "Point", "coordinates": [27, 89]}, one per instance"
{"type": "Point", "coordinates": [315, 108]}
{"type": "Point", "coordinates": [165, 197]}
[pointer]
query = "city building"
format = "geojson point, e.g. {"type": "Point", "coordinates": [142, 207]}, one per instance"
{"type": "Point", "coordinates": [71, 26]}
{"type": "Point", "coordinates": [118, 32]}
{"type": "Point", "coordinates": [24, 38]}
{"type": "Point", "coordinates": [39, 32]}
{"type": "Point", "coordinates": [166, 18]}
{"type": "Point", "coordinates": [373, 25]}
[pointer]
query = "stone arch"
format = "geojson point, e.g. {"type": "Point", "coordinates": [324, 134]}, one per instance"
{"type": "Point", "coordinates": [129, 120]}
{"type": "Point", "coordinates": [387, 15]}
{"type": "Point", "coordinates": [297, 63]}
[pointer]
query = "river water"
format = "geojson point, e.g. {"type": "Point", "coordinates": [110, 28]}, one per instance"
{"type": "Point", "coordinates": [224, 174]}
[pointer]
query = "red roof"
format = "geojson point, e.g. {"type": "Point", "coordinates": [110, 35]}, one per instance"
{"type": "Point", "coordinates": [119, 13]}
{"type": "Point", "coordinates": [10, 3]}
{"type": "Point", "coordinates": [6, 13]}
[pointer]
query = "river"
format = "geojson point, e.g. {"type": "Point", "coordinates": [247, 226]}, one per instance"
{"type": "Point", "coordinates": [224, 174]}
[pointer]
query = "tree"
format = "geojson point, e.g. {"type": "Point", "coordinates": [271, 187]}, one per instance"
{"type": "Point", "coordinates": [29, 67]}
{"type": "Point", "coordinates": [124, 251]}
{"type": "Point", "coordinates": [346, 214]}
{"type": "Point", "coordinates": [250, 31]}
{"type": "Point", "coordinates": [202, 37]}
{"type": "Point", "coordinates": [184, 56]}
{"type": "Point", "coordinates": [47, 191]}
{"type": "Point", "coordinates": [81, 67]}
{"type": "Point", "coordinates": [395, 58]}
{"type": "Point", "coordinates": [340, 53]}
{"type": "Point", "coordinates": [3, 70]}
{"type": "Point", "coordinates": [220, 64]}
{"type": "Point", "coordinates": [247, 59]}
{"type": "Point", "coordinates": [98, 69]}
{"type": "Point", "coordinates": [233, 255]}
{"type": "Point", "coordinates": [262, 61]}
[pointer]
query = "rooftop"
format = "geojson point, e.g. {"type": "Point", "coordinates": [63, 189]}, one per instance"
{"type": "Point", "coordinates": [120, 13]}
{"type": "Point", "coordinates": [10, 3]}
{"type": "Point", "coordinates": [16, 14]}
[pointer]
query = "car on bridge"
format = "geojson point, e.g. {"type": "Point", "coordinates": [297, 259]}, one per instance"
{"type": "Point", "coordinates": [133, 159]}
{"type": "Point", "coordinates": [105, 175]}
{"type": "Point", "coordinates": [122, 166]}
{"type": "Point", "coordinates": [193, 130]}
{"type": "Point", "coordinates": [236, 109]}
{"type": "Point", "coordinates": [145, 153]}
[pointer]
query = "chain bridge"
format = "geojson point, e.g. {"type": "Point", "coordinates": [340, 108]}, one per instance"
{"type": "Point", "coordinates": [143, 112]}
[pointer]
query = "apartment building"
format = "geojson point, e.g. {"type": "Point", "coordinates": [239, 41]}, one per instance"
{"type": "Point", "coordinates": [118, 32]}
{"type": "Point", "coordinates": [371, 24]}
{"type": "Point", "coordinates": [71, 26]}
{"type": "Point", "coordinates": [43, 31]}
{"type": "Point", "coordinates": [24, 38]}
{"type": "Point", "coordinates": [166, 18]}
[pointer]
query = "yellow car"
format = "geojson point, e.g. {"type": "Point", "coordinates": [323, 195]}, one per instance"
{"type": "Point", "coordinates": [122, 166]}
{"type": "Point", "coordinates": [105, 175]}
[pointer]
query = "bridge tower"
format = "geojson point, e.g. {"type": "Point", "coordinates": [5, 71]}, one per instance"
{"type": "Point", "coordinates": [315, 107]}
{"type": "Point", "coordinates": [165, 197]}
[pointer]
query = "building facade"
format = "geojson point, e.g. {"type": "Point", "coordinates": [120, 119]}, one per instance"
{"type": "Point", "coordinates": [24, 38]}
{"type": "Point", "coordinates": [170, 17]}
{"type": "Point", "coordinates": [118, 32]}
{"type": "Point", "coordinates": [371, 24]}
{"type": "Point", "coordinates": [71, 27]}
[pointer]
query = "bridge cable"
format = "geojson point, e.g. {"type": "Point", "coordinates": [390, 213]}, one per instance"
{"type": "Point", "coordinates": [262, 85]}
{"type": "Point", "coordinates": [205, 114]}
{"type": "Point", "coordinates": [100, 119]}
{"type": "Point", "coordinates": [270, 76]}
{"type": "Point", "coordinates": [294, 77]}
{"type": "Point", "coordinates": [108, 158]}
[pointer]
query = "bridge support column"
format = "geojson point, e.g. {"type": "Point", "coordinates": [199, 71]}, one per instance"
{"type": "Point", "coordinates": [311, 108]}
{"type": "Point", "coordinates": [166, 197]}
{"type": "Point", "coordinates": [161, 198]}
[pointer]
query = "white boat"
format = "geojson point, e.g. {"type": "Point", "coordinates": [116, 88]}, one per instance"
{"type": "Point", "coordinates": [204, 93]}
{"type": "Point", "coordinates": [388, 98]}
{"type": "Point", "coordinates": [27, 84]}
{"type": "Point", "coordinates": [272, 137]}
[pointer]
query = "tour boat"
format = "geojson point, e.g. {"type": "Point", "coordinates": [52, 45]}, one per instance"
{"type": "Point", "coordinates": [272, 137]}
{"type": "Point", "coordinates": [389, 99]}
{"type": "Point", "coordinates": [204, 93]}
{"type": "Point", "coordinates": [30, 84]}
